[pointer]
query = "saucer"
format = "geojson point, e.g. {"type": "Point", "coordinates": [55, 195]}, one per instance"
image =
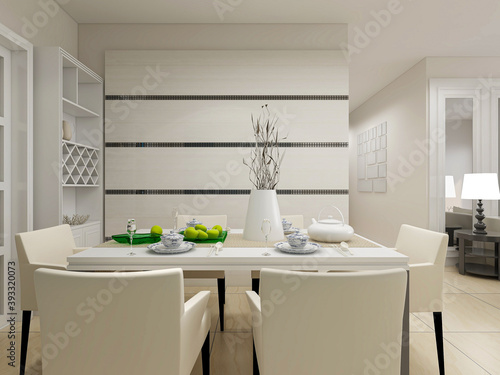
{"type": "Point", "coordinates": [161, 249]}
{"type": "Point", "coordinates": [310, 247]}
{"type": "Point", "coordinates": [291, 230]}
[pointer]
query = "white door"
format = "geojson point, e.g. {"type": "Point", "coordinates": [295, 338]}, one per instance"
{"type": "Point", "coordinates": [7, 273]}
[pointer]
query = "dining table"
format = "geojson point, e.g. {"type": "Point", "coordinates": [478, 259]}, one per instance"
{"type": "Point", "coordinates": [238, 254]}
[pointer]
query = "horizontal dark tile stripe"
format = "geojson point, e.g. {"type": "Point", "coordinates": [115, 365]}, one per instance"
{"type": "Point", "coordinates": [227, 97]}
{"type": "Point", "coordinates": [223, 192]}
{"type": "Point", "coordinates": [226, 144]}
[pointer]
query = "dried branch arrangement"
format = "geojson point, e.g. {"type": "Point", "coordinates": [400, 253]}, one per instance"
{"type": "Point", "coordinates": [75, 220]}
{"type": "Point", "coordinates": [265, 160]}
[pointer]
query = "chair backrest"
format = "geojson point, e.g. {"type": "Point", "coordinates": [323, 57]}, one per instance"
{"type": "Point", "coordinates": [50, 246]}
{"type": "Point", "coordinates": [297, 220]}
{"type": "Point", "coordinates": [334, 323]}
{"type": "Point", "coordinates": [422, 245]}
{"type": "Point", "coordinates": [110, 323]}
{"type": "Point", "coordinates": [208, 220]}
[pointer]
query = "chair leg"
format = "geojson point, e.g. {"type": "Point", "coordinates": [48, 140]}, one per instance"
{"type": "Point", "coordinates": [256, 370]}
{"type": "Point", "coordinates": [255, 285]}
{"type": "Point", "coordinates": [24, 340]}
{"type": "Point", "coordinates": [438, 329]}
{"type": "Point", "coordinates": [221, 288]}
{"type": "Point", "coordinates": [205, 355]}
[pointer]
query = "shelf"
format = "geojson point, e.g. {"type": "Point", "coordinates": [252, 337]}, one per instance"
{"type": "Point", "coordinates": [479, 252]}
{"type": "Point", "coordinates": [79, 144]}
{"type": "Point", "coordinates": [79, 165]}
{"type": "Point", "coordinates": [480, 269]}
{"type": "Point", "coordinates": [77, 110]}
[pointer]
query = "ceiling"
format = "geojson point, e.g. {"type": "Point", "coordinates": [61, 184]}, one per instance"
{"type": "Point", "coordinates": [416, 28]}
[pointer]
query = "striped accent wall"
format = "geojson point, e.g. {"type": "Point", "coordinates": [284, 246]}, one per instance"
{"type": "Point", "coordinates": [178, 127]}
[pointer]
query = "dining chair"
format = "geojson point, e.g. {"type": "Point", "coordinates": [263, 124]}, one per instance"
{"type": "Point", "coordinates": [209, 221]}
{"type": "Point", "coordinates": [328, 323]}
{"type": "Point", "coordinates": [130, 323]}
{"type": "Point", "coordinates": [44, 248]}
{"type": "Point", "coordinates": [427, 252]}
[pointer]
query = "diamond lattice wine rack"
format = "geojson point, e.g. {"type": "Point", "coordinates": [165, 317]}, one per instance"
{"type": "Point", "coordinates": [79, 164]}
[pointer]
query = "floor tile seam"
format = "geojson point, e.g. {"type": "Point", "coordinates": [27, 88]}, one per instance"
{"type": "Point", "coordinates": [447, 283]}
{"type": "Point", "coordinates": [233, 331]}
{"type": "Point", "coordinates": [431, 328]}
{"type": "Point", "coordinates": [476, 332]}
{"type": "Point", "coordinates": [479, 299]}
{"type": "Point", "coordinates": [461, 351]}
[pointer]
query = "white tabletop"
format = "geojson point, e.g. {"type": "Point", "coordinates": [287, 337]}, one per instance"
{"type": "Point", "coordinates": [324, 259]}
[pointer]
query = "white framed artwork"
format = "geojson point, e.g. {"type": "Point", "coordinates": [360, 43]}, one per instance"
{"type": "Point", "coordinates": [372, 159]}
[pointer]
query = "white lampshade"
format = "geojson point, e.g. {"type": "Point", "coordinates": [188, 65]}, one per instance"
{"type": "Point", "coordinates": [480, 186]}
{"type": "Point", "coordinates": [450, 187]}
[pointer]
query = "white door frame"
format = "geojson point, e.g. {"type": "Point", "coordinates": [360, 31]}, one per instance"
{"type": "Point", "coordinates": [19, 155]}
{"type": "Point", "coordinates": [484, 94]}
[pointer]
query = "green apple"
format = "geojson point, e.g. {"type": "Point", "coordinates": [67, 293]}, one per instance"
{"type": "Point", "coordinates": [219, 228]}
{"type": "Point", "coordinates": [200, 227]}
{"type": "Point", "coordinates": [212, 234]}
{"type": "Point", "coordinates": [202, 235]}
{"type": "Point", "coordinates": [191, 234]}
{"type": "Point", "coordinates": [156, 229]}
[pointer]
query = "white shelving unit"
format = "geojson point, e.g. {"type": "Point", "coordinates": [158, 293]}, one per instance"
{"type": "Point", "coordinates": [79, 164]}
{"type": "Point", "coordinates": [67, 173]}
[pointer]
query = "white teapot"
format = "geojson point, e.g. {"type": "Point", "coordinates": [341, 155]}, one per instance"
{"type": "Point", "coordinates": [330, 230]}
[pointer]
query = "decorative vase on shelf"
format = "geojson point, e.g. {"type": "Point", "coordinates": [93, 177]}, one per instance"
{"type": "Point", "coordinates": [263, 204]}
{"type": "Point", "coordinates": [67, 131]}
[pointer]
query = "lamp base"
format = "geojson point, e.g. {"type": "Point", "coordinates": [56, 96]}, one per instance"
{"type": "Point", "coordinates": [480, 226]}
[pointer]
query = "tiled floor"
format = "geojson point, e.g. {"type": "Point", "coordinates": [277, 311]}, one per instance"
{"type": "Point", "coordinates": [471, 330]}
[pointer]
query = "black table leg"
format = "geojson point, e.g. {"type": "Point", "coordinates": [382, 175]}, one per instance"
{"type": "Point", "coordinates": [461, 256]}
{"type": "Point", "coordinates": [438, 329]}
{"type": "Point", "coordinates": [221, 289]}
{"type": "Point", "coordinates": [255, 285]}
{"type": "Point", "coordinates": [205, 355]}
{"type": "Point", "coordinates": [24, 340]}
{"type": "Point", "coordinates": [255, 362]}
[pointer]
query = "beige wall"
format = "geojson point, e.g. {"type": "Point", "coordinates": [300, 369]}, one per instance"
{"type": "Point", "coordinates": [42, 22]}
{"type": "Point", "coordinates": [463, 67]}
{"type": "Point", "coordinates": [94, 39]}
{"type": "Point", "coordinates": [403, 105]}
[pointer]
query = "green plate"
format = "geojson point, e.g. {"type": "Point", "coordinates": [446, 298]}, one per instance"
{"type": "Point", "coordinates": [221, 238]}
{"type": "Point", "coordinates": [139, 238]}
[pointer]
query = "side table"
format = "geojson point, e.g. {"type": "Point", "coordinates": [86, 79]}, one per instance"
{"type": "Point", "coordinates": [468, 252]}
{"type": "Point", "coordinates": [451, 234]}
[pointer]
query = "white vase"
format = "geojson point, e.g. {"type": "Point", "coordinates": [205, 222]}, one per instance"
{"type": "Point", "coordinates": [67, 131]}
{"type": "Point", "coordinates": [263, 204]}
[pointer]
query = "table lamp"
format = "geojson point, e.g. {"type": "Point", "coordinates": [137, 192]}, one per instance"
{"type": "Point", "coordinates": [480, 186]}
{"type": "Point", "coordinates": [450, 187]}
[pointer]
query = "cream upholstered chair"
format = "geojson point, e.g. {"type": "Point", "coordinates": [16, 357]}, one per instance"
{"type": "Point", "coordinates": [328, 323]}
{"type": "Point", "coordinates": [209, 221]}
{"type": "Point", "coordinates": [427, 252]}
{"type": "Point", "coordinates": [44, 248]}
{"type": "Point", "coordinates": [130, 323]}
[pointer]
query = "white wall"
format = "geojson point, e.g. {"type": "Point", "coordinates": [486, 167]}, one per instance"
{"type": "Point", "coordinates": [458, 157]}
{"type": "Point", "coordinates": [43, 23]}
{"type": "Point", "coordinates": [402, 104]}
{"type": "Point", "coordinates": [166, 170]}
{"type": "Point", "coordinates": [94, 39]}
